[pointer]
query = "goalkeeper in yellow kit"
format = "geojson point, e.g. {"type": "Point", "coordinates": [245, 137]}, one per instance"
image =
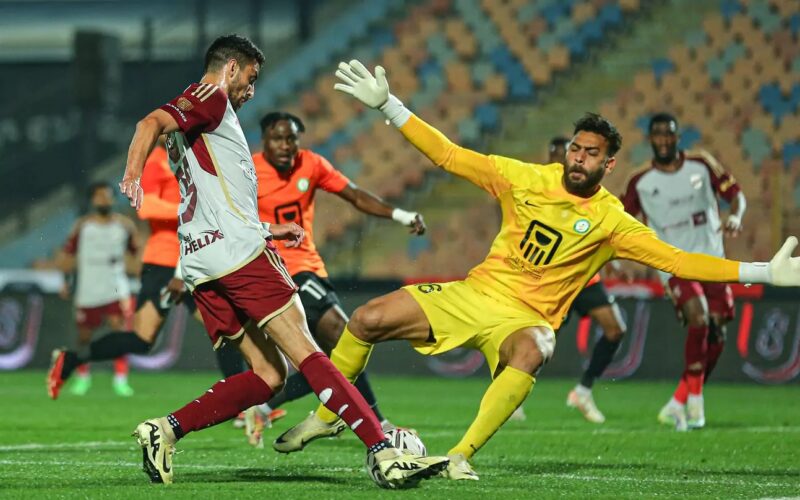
{"type": "Point", "coordinates": [559, 227]}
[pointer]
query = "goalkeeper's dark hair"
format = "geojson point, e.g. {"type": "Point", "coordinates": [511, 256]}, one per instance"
{"type": "Point", "coordinates": [270, 119]}
{"type": "Point", "coordinates": [557, 142]}
{"type": "Point", "coordinates": [592, 122]}
{"type": "Point", "coordinates": [229, 47]}
{"type": "Point", "coordinates": [97, 186]}
{"type": "Point", "coordinates": [662, 118]}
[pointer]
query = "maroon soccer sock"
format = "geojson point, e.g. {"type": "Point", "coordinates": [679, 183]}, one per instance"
{"type": "Point", "coordinates": [340, 397]}
{"type": "Point", "coordinates": [695, 355]}
{"type": "Point", "coordinates": [222, 402]}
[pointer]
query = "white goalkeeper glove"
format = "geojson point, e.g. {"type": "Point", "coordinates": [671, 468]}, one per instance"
{"type": "Point", "coordinates": [782, 270]}
{"type": "Point", "coordinates": [373, 91]}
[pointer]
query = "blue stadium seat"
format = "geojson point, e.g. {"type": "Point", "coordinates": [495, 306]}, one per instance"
{"type": "Point", "coordinates": [431, 66]}
{"type": "Point", "coordinates": [416, 246]}
{"type": "Point", "coordinates": [696, 38]}
{"type": "Point", "coordinates": [642, 123]}
{"type": "Point", "coordinates": [488, 116]}
{"type": "Point", "coordinates": [591, 30]}
{"type": "Point", "coordinates": [729, 8]}
{"type": "Point", "coordinates": [794, 24]}
{"type": "Point", "coordinates": [610, 15]}
{"type": "Point", "coordinates": [689, 137]}
{"type": "Point", "coordinates": [791, 150]}
{"type": "Point", "coordinates": [661, 67]}
{"type": "Point", "coordinates": [756, 145]}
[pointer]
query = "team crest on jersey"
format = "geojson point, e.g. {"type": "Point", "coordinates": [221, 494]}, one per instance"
{"type": "Point", "coordinates": [696, 180]}
{"type": "Point", "coordinates": [581, 226]}
{"type": "Point", "coordinates": [185, 104]}
{"type": "Point", "coordinates": [302, 185]}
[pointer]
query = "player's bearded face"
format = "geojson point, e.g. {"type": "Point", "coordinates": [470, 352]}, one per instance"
{"type": "Point", "coordinates": [664, 141]}
{"type": "Point", "coordinates": [241, 87]}
{"type": "Point", "coordinates": [586, 163]}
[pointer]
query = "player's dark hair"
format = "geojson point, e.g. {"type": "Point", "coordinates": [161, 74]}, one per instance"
{"type": "Point", "coordinates": [592, 122]}
{"type": "Point", "coordinates": [557, 142]}
{"type": "Point", "coordinates": [97, 186]}
{"type": "Point", "coordinates": [662, 118]}
{"type": "Point", "coordinates": [229, 47]}
{"type": "Point", "coordinates": [270, 119]}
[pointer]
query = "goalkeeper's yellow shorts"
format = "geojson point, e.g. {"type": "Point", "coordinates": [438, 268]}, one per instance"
{"type": "Point", "coordinates": [461, 316]}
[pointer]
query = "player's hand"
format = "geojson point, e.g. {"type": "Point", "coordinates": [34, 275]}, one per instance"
{"type": "Point", "coordinates": [131, 188]}
{"type": "Point", "coordinates": [63, 292]}
{"type": "Point", "coordinates": [176, 289]}
{"type": "Point", "coordinates": [733, 226]}
{"type": "Point", "coordinates": [418, 226]}
{"type": "Point", "coordinates": [784, 270]}
{"type": "Point", "coordinates": [357, 81]}
{"type": "Point", "coordinates": [291, 233]}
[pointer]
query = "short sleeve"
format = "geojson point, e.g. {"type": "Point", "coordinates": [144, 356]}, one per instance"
{"type": "Point", "coordinates": [724, 184]}
{"type": "Point", "coordinates": [199, 109]}
{"type": "Point", "coordinates": [630, 199]}
{"type": "Point", "coordinates": [71, 245]}
{"type": "Point", "coordinates": [330, 179]}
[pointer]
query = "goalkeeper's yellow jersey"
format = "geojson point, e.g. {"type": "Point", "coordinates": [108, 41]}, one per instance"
{"type": "Point", "coordinates": [552, 242]}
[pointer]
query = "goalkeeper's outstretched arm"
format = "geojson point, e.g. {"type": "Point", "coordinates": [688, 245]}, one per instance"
{"type": "Point", "coordinates": [373, 91]}
{"type": "Point", "coordinates": [644, 247]}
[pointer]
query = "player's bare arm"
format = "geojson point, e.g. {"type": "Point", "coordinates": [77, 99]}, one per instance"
{"type": "Point", "coordinates": [733, 225]}
{"type": "Point", "coordinates": [370, 204]}
{"type": "Point", "coordinates": [144, 140]}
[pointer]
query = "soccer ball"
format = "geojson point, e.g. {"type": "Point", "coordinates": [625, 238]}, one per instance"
{"type": "Point", "coordinates": [405, 440]}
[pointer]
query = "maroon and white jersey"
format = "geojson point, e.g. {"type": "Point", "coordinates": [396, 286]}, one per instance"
{"type": "Point", "coordinates": [99, 249]}
{"type": "Point", "coordinates": [219, 229]}
{"type": "Point", "coordinates": [681, 206]}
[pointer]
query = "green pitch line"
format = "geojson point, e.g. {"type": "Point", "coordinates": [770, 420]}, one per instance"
{"type": "Point", "coordinates": [79, 447]}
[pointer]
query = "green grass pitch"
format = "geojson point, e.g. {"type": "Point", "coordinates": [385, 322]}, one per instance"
{"type": "Point", "coordinates": [80, 447]}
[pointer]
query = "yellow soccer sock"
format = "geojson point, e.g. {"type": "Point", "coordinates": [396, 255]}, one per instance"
{"type": "Point", "coordinates": [350, 357]}
{"type": "Point", "coordinates": [503, 396]}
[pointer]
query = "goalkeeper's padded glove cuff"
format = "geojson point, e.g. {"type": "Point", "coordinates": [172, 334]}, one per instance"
{"type": "Point", "coordinates": [755, 272]}
{"type": "Point", "coordinates": [395, 111]}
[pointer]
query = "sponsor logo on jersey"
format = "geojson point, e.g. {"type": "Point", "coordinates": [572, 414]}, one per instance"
{"type": "Point", "coordinates": [205, 239]}
{"type": "Point", "coordinates": [581, 226]}
{"type": "Point", "coordinates": [180, 112]}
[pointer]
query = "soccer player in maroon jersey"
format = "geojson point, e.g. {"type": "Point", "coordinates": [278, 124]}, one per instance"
{"type": "Point", "coordinates": [677, 194]}
{"type": "Point", "coordinates": [96, 250]}
{"type": "Point", "coordinates": [236, 276]}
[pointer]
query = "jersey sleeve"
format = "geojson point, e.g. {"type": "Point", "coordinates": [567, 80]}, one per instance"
{"type": "Point", "coordinates": [71, 245]}
{"type": "Point", "coordinates": [724, 184]}
{"type": "Point", "coordinates": [199, 109]}
{"type": "Point", "coordinates": [484, 171]}
{"type": "Point", "coordinates": [634, 241]}
{"type": "Point", "coordinates": [630, 199]}
{"type": "Point", "coordinates": [330, 179]}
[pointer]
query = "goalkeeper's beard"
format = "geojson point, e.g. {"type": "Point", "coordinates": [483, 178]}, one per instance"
{"type": "Point", "coordinates": [590, 182]}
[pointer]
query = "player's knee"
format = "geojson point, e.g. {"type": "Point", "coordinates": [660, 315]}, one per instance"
{"type": "Point", "coordinates": [274, 377]}
{"type": "Point", "coordinates": [366, 322]}
{"type": "Point", "coordinates": [717, 332]}
{"type": "Point", "coordinates": [530, 352]}
{"type": "Point", "coordinates": [614, 334]}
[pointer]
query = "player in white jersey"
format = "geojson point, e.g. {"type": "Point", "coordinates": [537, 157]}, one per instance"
{"type": "Point", "coordinates": [678, 194]}
{"type": "Point", "coordinates": [236, 276]}
{"type": "Point", "coordinates": [96, 251]}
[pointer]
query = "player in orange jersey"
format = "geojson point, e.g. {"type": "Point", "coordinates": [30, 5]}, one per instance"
{"type": "Point", "coordinates": [288, 179]}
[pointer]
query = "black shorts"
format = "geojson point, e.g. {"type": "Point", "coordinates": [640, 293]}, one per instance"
{"type": "Point", "coordinates": [154, 281]}
{"type": "Point", "coordinates": [591, 297]}
{"type": "Point", "coordinates": [317, 295]}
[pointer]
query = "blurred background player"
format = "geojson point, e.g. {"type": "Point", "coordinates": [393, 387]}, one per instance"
{"type": "Point", "coordinates": [288, 179]}
{"type": "Point", "coordinates": [96, 250]}
{"type": "Point", "coordinates": [677, 195]}
{"type": "Point", "coordinates": [593, 302]}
